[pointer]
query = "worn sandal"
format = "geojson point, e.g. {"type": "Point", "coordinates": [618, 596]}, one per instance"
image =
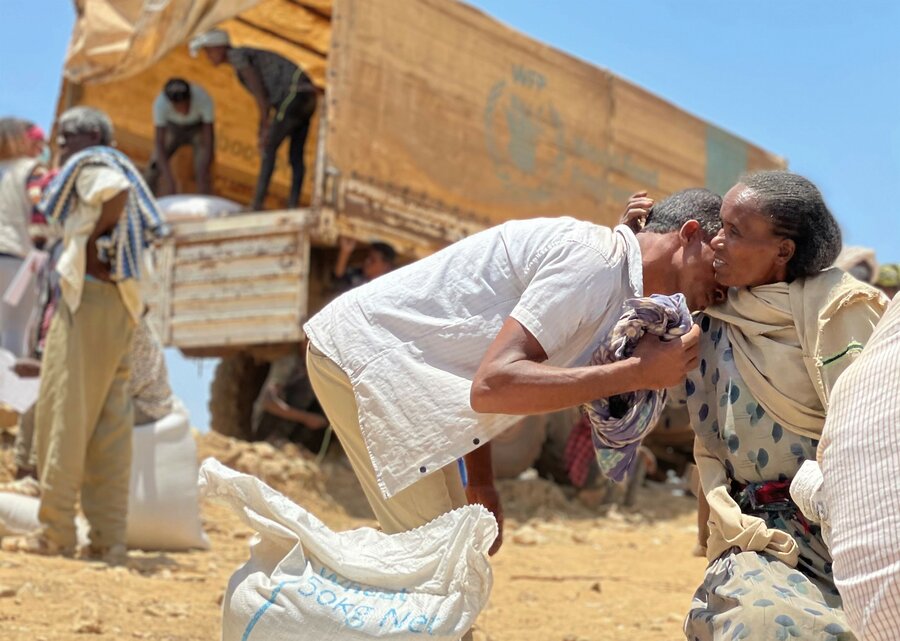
{"type": "Point", "coordinates": [110, 555]}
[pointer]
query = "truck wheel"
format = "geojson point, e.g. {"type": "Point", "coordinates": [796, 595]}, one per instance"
{"type": "Point", "coordinates": [235, 387]}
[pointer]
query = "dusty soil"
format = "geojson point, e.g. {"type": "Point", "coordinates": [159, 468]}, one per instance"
{"type": "Point", "coordinates": [566, 572]}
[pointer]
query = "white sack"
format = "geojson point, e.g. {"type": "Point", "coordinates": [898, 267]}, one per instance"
{"type": "Point", "coordinates": [305, 581]}
{"type": "Point", "coordinates": [196, 207]}
{"type": "Point", "coordinates": [19, 516]}
{"type": "Point", "coordinates": [163, 502]}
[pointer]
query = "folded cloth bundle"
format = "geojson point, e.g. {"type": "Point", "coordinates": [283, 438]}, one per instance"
{"type": "Point", "coordinates": [122, 248]}
{"type": "Point", "coordinates": [619, 424]}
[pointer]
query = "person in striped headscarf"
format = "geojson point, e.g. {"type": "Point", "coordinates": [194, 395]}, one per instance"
{"type": "Point", "coordinates": [83, 416]}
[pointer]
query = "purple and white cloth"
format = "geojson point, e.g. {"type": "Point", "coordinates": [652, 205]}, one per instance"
{"type": "Point", "coordinates": [620, 423]}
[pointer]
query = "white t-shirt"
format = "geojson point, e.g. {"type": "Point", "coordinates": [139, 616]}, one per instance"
{"type": "Point", "coordinates": [411, 340]}
{"type": "Point", "coordinates": [860, 459]}
{"type": "Point", "coordinates": [201, 110]}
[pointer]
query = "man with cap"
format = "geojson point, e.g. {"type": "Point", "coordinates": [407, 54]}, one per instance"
{"type": "Point", "coordinates": [285, 97]}
{"type": "Point", "coordinates": [182, 115]}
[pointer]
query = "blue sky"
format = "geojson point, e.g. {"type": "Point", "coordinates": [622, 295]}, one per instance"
{"type": "Point", "coordinates": [817, 82]}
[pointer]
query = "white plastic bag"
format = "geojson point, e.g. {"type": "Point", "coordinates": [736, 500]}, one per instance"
{"type": "Point", "coordinates": [163, 502]}
{"type": "Point", "coordinates": [19, 516]}
{"type": "Point", "coordinates": [304, 581]}
{"type": "Point", "coordinates": [196, 207]}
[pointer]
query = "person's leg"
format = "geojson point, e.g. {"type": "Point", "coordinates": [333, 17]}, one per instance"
{"type": "Point", "coordinates": [304, 110]}
{"type": "Point", "coordinates": [175, 138]}
{"type": "Point", "coordinates": [24, 445]}
{"type": "Point", "coordinates": [418, 504]}
{"type": "Point", "coordinates": [104, 496]}
{"type": "Point", "coordinates": [73, 388]}
{"type": "Point", "coordinates": [202, 164]}
{"type": "Point", "coordinates": [278, 131]}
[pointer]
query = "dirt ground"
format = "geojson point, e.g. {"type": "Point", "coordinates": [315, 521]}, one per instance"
{"type": "Point", "coordinates": [565, 573]}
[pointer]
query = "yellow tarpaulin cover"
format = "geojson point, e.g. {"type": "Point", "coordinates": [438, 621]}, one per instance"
{"type": "Point", "coordinates": [114, 39]}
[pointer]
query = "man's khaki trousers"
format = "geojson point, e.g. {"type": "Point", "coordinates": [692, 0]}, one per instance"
{"type": "Point", "coordinates": [421, 502]}
{"type": "Point", "coordinates": [83, 420]}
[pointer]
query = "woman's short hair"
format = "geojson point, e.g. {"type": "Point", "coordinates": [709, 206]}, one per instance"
{"type": "Point", "coordinates": [87, 120]}
{"type": "Point", "coordinates": [797, 211]}
{"type": "Point", "coordinates": [14, 141]}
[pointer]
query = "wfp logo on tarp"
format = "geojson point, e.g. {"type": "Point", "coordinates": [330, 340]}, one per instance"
{"type": "Point", "coordinates": [524, 134]}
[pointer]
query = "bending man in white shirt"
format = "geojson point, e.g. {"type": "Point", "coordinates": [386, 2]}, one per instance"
{"type": "Point", "coordinates": [429, 362]}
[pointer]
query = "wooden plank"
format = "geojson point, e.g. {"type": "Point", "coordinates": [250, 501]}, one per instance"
{"type": "Point", "coordinates": [236, 316]}
{"type": "Point", "coordinates": [274, 245]}
{"type": "Point", "coordinates": [218, 272]}
{"type": "Point", "coordinates": [235, 288]}
{"type": "Point", "coordinates": [213, 308]}
{"type": "Point", "coordinates": [254, 224]}
{"type": "Point", "coordinates": [227, 335]}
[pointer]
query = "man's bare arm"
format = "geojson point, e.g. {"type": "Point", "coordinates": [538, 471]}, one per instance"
{"type": "Point", "coordinates": [514, 379]}
{"type": "Point", "coordinates": [165, 168]}
{"type": "Point", "coordinates": [110, 214]}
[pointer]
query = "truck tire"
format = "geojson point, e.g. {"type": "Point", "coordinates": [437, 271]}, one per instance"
{"type": "Point", "coordinates": [235, 387]}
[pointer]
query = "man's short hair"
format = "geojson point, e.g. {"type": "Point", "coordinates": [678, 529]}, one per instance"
{"type": "Point", "coordinates": [87, 120]}
{"type": "Point", "coordinates": [177, 90]}
{"type": "Point", "coordinates": [672, 212]}
{"type": "Point", "coordinates": [388, 253]}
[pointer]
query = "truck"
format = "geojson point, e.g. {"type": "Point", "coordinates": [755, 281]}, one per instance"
{"type": "Point", "coordinates": [436, 122]}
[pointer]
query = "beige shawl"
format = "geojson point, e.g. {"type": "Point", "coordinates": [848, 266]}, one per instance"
{"type": "Point", "coordinates": [790, 341]}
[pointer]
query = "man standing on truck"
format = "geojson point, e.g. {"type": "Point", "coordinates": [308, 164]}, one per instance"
{"type": "Point", "coordinates": [431, 361]}
{"type": "Point", "coordinates": [83, 418]}
{"type": "Point", "coordinates": [285, 97]}
{"type": "Point", "coordinates": [183, 114]}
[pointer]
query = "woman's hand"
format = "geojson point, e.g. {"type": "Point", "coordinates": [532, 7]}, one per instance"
{"type": "Point", "coordinates": [636, 211]}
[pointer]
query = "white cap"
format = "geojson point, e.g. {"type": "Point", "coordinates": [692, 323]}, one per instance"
{"type": "Point", "coordinates": [212, 38]}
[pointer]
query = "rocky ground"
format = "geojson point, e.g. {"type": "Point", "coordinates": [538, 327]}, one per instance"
{"type": "Point", "coordinates": [566, 572]}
